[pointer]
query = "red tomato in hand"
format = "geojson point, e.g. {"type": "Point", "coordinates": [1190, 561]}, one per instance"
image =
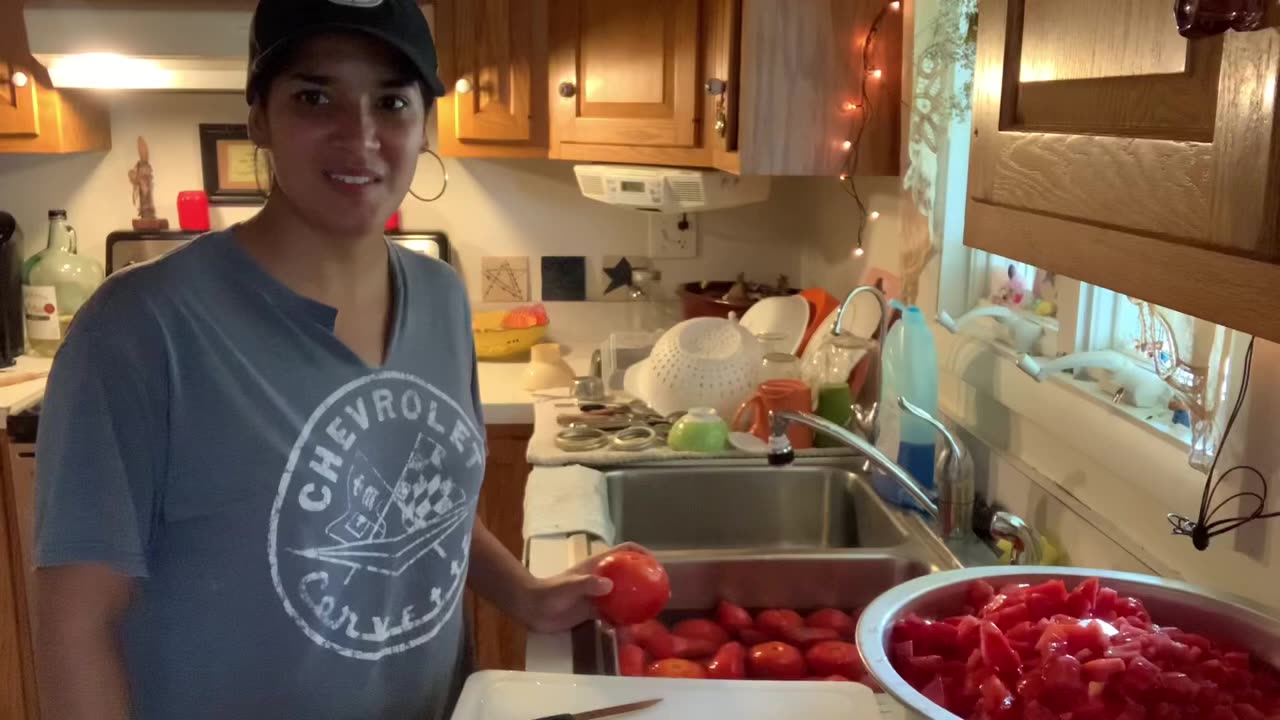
{"type": "Point", "coordinates": [774, 622]}
{"type": "Point", "coordinates": [733, 618]}
{"type": "Point", "coordinates": [776, 661]}
{"type": "Point", "coordinates": [631, 660]}
{"type": "Point", "coordinates": [730, 663]}
{"type": "Point", "coordinates": [699, 629]}
{"type": "Point", "coordinates": [677, 668]}
{"type": "Point", "coordinates": [640, 588]}
{"type": "Point", "coordinates": [835, 658]}
{"type": "Point", "coordinates": [832, 619]}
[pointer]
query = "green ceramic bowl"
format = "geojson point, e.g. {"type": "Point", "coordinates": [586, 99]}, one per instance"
{"type": "Point", "coordinates": [700, 430]}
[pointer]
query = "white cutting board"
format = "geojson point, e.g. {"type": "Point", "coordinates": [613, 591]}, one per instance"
{"type": "Point", "coordinates": [504, 695]}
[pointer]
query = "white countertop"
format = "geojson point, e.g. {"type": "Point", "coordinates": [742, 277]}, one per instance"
{"type": "Point", "coordinates": [502, 399]}
{"type": "Point", "coordinates": [16, 398]}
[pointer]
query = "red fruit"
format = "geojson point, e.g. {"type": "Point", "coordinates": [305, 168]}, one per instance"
{"type": "Point", "coordinates": [773, 622]}
{"type": "Point", "coordinates": [521, 318]}
{"type": "Point", "coordinates": [935, 692]}
{"type": "Point", "coordinates": [729, 663]}
{"type": "Point", "coordinates": [803, 637]}
{"type": "Point", "coordinates": [835, 658]}
{"type": "Point", "coordinates": [677, 668]}
{"type": "Point", "coordinates": [1103, 670]}
{"type": "Point", "coordinates": [751, 637]}
{"type": "Point", "coordinates": [631, 660]}
{"type": "Point", "coordinates": [732, 617]}
{"type": "Point", "coordinates": [832, 678]}
{"type": "Point", "coordinates": [663, 646]}
{"type": "Point", "coordinates": [832, 619]}
{"type": "Point", "coordinates": [699, 629]}
{"type": "Point", "coordinates": [641, 633]}
{"type": "Point", "coordinates": [980, 593]}
{"type": "Point", "coordinates": [692, 648]}
{"type": "Point", "coordinates": [997, 701]}
{"type": "Point", "coordinates": [996, 651]}
{"type": "Point", "coordinates": [776, 661]}
{"type": "Point", "coordinates": [640, 588]}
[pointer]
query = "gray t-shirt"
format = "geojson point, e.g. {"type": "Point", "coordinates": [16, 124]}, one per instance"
{"type": "Point", "coordinates": [299, 522]}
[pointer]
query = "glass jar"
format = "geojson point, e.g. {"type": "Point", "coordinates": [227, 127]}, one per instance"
{"type": "Point", "coordinates": [56, 282]}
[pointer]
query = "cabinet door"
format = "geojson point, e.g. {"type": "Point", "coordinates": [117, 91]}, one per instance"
{"type": "Point", "coordinates": [499, 641]}
{"type": "Point", "coordinates": [1110, 149]}
{"type": "Point", "coordinates": [626, 72]}
{"type": "Point", "coordinates": [17, 517]}
{"type": "Point", "coordinates": [494, 61]}
{"type": "Point", "coordinates": [18, 116]}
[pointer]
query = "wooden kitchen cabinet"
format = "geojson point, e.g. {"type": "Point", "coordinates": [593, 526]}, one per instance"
{"type": "Point", "coordinates": [1108, 148]}
{"type": "Point", "coordinates": [498, 641]}
{"type": "Point", "coordinates": [747, 86]}
{"type": "Point", "coordinates": [495, 54]}
{"type": "Point", "coordinates": [17, 517]}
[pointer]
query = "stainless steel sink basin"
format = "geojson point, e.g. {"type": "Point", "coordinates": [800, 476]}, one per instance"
{"type": "Point", "coordinates": [749, 507]}
{"type": "Point", "coordinates": [801, 581]}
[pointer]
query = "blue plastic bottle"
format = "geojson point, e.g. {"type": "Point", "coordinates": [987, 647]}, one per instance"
{"type": "Point", "coordinates": [910, 370]}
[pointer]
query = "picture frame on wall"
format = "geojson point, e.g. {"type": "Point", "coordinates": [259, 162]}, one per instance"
{"type": "Point", "coordinates": [233, 173]}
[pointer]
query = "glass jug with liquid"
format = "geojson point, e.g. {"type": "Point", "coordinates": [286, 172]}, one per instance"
{"type": "Point", "coordinates": [56, 282]}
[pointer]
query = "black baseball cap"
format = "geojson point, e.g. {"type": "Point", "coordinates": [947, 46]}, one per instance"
{"type": "Point", "coordinates": [399, 23]}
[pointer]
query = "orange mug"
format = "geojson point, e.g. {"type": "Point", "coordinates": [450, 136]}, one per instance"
{"type": "Point", "coordinates": [777, 395]}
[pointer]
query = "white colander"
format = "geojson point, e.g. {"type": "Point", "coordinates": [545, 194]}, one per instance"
{"type": "Point", "coordinates": [703, 362]}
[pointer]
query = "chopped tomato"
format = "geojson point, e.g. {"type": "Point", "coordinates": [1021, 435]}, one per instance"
{"type": "Point", "coordinates": [980, 593]}
{"type": "Point", "coordinates": [1103, 669]}
{"type": "Point", "coordinates": [996, 652]}
{"type": "Point", "coordinates": [1009, 616]}
{"type": "Point", "coordinates": [1141, 675]}
{"type": "Point", "coordinates": [997, 701]}
{"type": "Point", "coordinates": [1064, 686]}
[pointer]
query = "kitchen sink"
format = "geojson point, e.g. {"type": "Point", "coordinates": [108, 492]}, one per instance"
{"type": "Point", "coordinates": [802, 581]}
{"type": "Point", "coordinates": [740, 507]}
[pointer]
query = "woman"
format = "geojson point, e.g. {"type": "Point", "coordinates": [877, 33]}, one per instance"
{"type": "Point", "coordinates": [259, 456]}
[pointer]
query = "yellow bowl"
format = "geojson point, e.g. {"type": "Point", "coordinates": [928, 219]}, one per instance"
{"type": "Point", "coordinates": [498, 344]}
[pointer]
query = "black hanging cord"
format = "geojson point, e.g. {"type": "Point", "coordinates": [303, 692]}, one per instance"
{"type": "Point", "coordinates": [1204, 526]}
{"type": "Point", "coordinates": [862, 118]}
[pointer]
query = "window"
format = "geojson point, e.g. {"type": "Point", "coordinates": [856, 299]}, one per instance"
{"type": "Point", "coordinates": [1191, 356]}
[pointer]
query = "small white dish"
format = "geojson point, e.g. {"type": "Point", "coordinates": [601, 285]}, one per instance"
{"type": "Point", "coordinates": [786, 315]}
{"type": "Point", "coordinates": [748, 443]}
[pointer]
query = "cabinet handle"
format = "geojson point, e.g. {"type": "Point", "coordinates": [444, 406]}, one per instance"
{"type": "Point", "coordinates": [463, 86]}
{"type": "Point", "coordinates": [715, 86]}
{"type": "Point", "coordinates": [568, 89]}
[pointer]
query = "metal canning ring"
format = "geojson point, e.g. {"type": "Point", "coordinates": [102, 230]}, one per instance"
{"type": "Point", "coordinates": [581, 439]}
{"type": "Point", "coordinates": [633, 439]}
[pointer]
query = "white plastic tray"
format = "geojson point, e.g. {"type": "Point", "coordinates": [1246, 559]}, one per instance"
{"type": "Point", "coordinates": [502, 695]}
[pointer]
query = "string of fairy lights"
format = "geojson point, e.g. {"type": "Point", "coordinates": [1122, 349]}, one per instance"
{"type": "Point", "coordinates": [861, 108]}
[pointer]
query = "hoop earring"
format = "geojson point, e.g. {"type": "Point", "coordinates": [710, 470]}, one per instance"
{"type": "Point", "coordinates": [270, 172]}
{"type": "Point", "coordinates": [444, 172]}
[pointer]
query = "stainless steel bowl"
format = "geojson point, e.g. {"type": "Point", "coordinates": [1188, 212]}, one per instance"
{"type": "Point", "coordinates": [1219, 616]}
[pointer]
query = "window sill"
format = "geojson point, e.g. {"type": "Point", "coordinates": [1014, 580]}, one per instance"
{"type": "Point", "coordinates": [1119, 439]}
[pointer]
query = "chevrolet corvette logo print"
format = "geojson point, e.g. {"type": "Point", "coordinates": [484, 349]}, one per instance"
{"type": "Point", "coordinates": [368, 556]}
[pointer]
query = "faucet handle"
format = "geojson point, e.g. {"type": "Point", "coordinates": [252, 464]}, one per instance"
{"type": "Point", "coordinates": [954, 473]}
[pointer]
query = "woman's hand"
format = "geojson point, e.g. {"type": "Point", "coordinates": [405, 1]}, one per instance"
{"type": "Point", "coordinates": [564, 601]}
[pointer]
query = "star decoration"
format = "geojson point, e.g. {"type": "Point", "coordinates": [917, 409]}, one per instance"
{"type": "Point", "coordinates": [619, 275]}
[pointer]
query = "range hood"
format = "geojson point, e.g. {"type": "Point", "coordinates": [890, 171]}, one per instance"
{"type": "Point", "coordinates": [141, 48]}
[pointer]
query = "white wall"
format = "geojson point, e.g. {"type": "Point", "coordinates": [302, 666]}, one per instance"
{"type": "Point", "coordinates": [493, 207]}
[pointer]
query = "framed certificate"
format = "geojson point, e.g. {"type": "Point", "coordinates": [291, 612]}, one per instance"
{"type": "Point", "coordinates": [234, 172]}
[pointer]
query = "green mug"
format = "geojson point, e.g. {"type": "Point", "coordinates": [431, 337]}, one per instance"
{"type": "Point", "coordinates": [835, 403]}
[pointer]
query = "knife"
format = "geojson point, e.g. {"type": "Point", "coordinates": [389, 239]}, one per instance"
{"type": "Point", "coordinates": [605, 712]}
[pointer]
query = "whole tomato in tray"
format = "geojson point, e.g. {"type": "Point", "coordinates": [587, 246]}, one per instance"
{"type": "Point", "coordinates": [776, 661]}
{"type": "Point", "coordinates": [640, 588]}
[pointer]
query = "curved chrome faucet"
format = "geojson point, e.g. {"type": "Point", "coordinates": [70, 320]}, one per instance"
{"type": "Point", "coordinates": [868, 418]}
{"type": "Point", "coordinates": [781, 452]}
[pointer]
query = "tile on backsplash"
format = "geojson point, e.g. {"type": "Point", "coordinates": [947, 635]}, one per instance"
{"type": "Point", "coordinates": [564, 277]}
{"type": "Point", "coordinates": [505, 279]}
{"type": "Point", "coordinates": [615, 275]}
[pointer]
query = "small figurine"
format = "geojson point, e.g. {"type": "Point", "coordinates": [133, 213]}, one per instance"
{"type": "Point", "coordinates": [1045, 292]}
{"type": "Point", "coordinates": [142, 177]}
{"type": "Point", "coordinates": [1012, 292]}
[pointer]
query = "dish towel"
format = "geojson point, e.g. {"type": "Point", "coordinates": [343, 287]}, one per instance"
{"type": "Point", "coordinates": [565, 501]}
